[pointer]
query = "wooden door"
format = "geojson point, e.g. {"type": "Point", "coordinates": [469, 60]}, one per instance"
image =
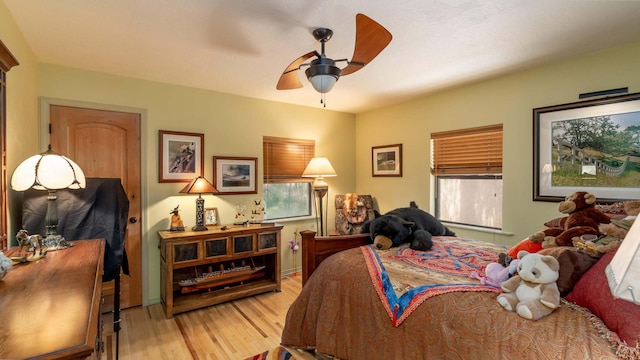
{"type": "Point", "coordinates": [107, 144]}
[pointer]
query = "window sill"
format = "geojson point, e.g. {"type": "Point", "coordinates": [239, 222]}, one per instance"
{"type": "Point", "coordinates": [479, 229]}
{"type": "Point", "coordinates": [287, 220]}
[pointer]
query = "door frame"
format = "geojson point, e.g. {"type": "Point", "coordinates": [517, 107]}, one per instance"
{"type": "Point", "coordinates": [43, 140]}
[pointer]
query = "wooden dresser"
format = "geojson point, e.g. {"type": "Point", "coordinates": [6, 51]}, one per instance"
{"type": "Point", "coordinates": [50, 309]}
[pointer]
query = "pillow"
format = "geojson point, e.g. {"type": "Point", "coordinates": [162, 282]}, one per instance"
{"type": "Point", "coordinates": [526, 244]}
{"type": "Point", "coordinates": [573, 264]}
{"type": "Point", "coordinates": [592, 292]}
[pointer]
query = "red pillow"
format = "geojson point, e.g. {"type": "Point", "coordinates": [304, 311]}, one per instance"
{"type": "Point", "coordinates": [592, 292]}
{"type": "Point", "coordinates": [526, 244]}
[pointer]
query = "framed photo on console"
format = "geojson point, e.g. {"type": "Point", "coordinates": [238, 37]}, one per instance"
{"type": "Point", "coordinates": [211, 216]}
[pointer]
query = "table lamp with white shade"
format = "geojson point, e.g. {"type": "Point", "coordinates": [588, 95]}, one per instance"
{"type": "Point", "coordinates": [51, 172]}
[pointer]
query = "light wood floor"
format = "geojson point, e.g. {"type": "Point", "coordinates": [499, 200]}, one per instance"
{"type": "Point", "coordinates": [233, 330]}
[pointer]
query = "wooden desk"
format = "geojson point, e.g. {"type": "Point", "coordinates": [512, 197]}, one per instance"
{"type": "Point", "coordinates": [50, 309]}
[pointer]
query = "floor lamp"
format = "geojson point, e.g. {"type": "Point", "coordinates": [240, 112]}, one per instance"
{"type": "Point", "coordinates": [319, 168]}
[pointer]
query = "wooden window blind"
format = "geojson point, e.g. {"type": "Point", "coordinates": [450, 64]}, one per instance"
{"type": "Point", "coordinates": [286, 159]}
{"type": "Point", "coordinates": [471, 151]}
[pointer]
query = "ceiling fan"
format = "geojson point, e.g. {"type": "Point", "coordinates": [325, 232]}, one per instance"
{"type": "Point", "coordinates": [322, 72]}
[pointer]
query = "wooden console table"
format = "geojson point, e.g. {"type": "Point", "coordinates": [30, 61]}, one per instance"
{"type": "Point", "coordinates": [188, 254]}
{"type": "Point", "coordinates": [50, 309]}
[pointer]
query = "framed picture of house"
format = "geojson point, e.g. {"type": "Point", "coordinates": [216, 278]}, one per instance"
{"type": "Point", "coordinates": [235, 175]}
{"type": "Point", "coordinates": [180, 156]}
{"type": "Point", "coordinates": [386, 160]}
{"type": "Point", "coordinates": [211, 216]}
{"type": "Point", "coordinates": [589, 146]}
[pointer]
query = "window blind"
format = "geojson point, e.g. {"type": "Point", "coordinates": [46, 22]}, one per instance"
{"type": "Point", "coordinates": [285, 158]}
{"type": "Point", "coordinates": [470, 151]}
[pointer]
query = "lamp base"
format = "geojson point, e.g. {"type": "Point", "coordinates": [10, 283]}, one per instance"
{"type": "Point", "coordinates": [56, 242]}
{"type": "Point", "coordinates": [199, 228]}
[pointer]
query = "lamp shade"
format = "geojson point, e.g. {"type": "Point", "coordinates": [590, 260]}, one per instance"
{"type": "Point", "coordinates": [623, 272]}
{"type": "Point", "coordinates": [199, 185]}
{"type": "Point", "coordinates": [48, 171]}
{"type": "Point", "coordinates": [319, 167]}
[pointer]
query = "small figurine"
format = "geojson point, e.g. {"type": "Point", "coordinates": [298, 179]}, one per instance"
{"type": "Point", "coordinates": [29, 243]}
{"type": "Point", "coordinates": [257, 212]}
{"type": "Point", "coordinates": [176, 221]}
{"type": "Point", "coordinates": [240, 217]}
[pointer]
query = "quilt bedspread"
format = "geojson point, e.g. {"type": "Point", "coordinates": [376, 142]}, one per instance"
{"type": "Point", "coordinates": [404, 278]}
{"type": "Point", "coordinates": [338, 314]}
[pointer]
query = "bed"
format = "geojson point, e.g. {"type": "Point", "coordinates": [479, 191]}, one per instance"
{"type": "Point", "coordinates": [342, 313]}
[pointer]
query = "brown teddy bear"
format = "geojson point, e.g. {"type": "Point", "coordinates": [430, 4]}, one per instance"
{"type": "Point", "coordinates": [583, 219]}
{"type": "Point", "coordinates": [532, 293]}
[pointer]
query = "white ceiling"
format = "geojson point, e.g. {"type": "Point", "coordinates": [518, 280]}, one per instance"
{"type": "Point", "coordinates": [242, 46]}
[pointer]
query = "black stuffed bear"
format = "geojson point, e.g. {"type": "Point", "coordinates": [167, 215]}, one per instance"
{"type": "Point", "coordinates": [405, 225]}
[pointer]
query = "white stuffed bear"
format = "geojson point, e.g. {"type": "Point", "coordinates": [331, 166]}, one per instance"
{"type": "Point", "coordinates": [5, 265]}
{"type": "Point", "coordinates": [533, 292]}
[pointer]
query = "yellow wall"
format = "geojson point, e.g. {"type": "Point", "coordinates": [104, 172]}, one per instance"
{"type": "Point", "coordinates": [22, 107]}
{"type": "Point", "coordinates": [508, 100]}
{"type": "Point", "coordinates": [232, 126]}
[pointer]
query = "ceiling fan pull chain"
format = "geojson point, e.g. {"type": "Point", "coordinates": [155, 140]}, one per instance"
{"type": "Point", "coordinates": [323, 101]}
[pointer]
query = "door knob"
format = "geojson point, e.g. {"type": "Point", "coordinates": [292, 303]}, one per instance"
{"type": "Point", "coordinates": [133, 219]}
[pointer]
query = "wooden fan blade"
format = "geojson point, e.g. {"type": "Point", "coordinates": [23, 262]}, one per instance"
{"type": "Point", "coordinates": [289, 78]}
{"type": "Point", "coordinates": [371, 39]}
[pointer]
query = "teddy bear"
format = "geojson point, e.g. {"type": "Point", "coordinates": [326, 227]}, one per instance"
{"type": "Point", "coordinates": [405, 225]}
{"type": "Point", "coordinates": [497, 272]}
{"type": "Point", "coordinates": [583, 218]}
{"type": "Point", "coordinates": [532, 293]}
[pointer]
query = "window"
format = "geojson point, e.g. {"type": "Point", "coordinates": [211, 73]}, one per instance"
{"type": "Point", "coordinates": [287, 194]}
{"type": "Point", "coordinates": [7, 61]}
{"type": "Point", "coordinates": [467, 165]}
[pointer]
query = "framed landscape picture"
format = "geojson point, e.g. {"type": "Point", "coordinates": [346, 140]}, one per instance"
{"type": "Point", "coordinates": [180, 156]}
{"type": "Point", "coordinates": [386, 160]}
{"type": "Point", "coordinates": [235, 175]}
{"type": "Point", "coordinates": [589, 146]}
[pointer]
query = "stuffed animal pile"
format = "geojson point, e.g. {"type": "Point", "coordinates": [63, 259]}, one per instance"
{"type": "Point", "coordinates": [583, 219]}
{"type": "Point", "coordinates": [612, 233]}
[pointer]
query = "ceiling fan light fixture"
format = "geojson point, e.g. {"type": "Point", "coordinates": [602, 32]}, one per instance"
{"type": "Point", "coordinates": [323, 74]}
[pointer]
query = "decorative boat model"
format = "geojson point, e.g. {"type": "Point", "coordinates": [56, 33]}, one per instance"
{"type": "Point", "coordinates": [221, 277]}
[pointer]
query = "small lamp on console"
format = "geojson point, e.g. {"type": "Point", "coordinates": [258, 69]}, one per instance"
{"type": "Point", "coordinates": [49, 171]}
{"type": "Point", "coordinates": [623, 272]}
{"type": "Point", "coordinates": [199, 186]}
{"type": "Point", "coordinates": [319, 168]}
